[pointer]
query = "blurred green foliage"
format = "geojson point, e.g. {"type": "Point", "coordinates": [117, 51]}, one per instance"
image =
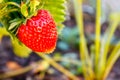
{"type": "Point", "coordinates": [71, 36]}
{"type": "Point", "coordinates": [70, 61]}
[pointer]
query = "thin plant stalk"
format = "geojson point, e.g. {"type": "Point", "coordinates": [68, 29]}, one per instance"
{"type": "Point", "coordinates": [57, 66]}
{"type": "Point", "coordinates": [111, 60]}
{"type": "Point", "coordinates": [114, 21]}
{"type": "Point", "coordinates": [19, 71]}
{"type": "Point", "coordinates": [105, 47]}
{"type": "Point", "coordinates": [97, 32]}
{"type": "Point", "coordinates": [13, 3]}
{"type": "Point", "coordinates": [85, 58]}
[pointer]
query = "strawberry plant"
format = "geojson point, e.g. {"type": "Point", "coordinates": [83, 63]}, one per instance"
{"type": "Point", "coordinates": [33, 23]}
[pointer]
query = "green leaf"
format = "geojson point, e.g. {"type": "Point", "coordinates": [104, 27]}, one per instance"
{"type": "Point", "coordinates": [24, 9]}
{"type": "Point", "coordinates": [57, 9]}
{"type": "Point", "coordinates": [20, 49]}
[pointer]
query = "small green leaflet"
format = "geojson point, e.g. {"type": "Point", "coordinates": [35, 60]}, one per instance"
{"type": "Point", "coordinates": [24, 9]}
{"type": "Point", "coordinates": [33, 5]}
{"type": "Point", "coordinates": [15, 23]}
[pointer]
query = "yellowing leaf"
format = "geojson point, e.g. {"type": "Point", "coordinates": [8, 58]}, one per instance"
{"type": "Point", "coordinates": [3, 32]}
{"type": "Point", "coordinates": [20, 49]}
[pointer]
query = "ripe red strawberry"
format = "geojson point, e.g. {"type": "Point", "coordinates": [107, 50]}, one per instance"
{"type": "Point", "coordinates": [39, 33]}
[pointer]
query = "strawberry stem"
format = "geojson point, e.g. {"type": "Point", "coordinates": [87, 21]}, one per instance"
{"type": "Point", "coordinates": [57, 66]}
{"type": "Point", "coordinates": [19, 71]}
{"type": "Point", "coordinates": [13, 3]}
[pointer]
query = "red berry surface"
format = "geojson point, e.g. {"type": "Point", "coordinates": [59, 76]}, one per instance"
{"type": "Point", "coordinates": [39, 33]}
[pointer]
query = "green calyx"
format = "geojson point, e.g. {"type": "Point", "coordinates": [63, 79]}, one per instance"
{"type": "Point", "coordinates": [16, 12]}
{"type": "Point", "coordinates": [12, 14]}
